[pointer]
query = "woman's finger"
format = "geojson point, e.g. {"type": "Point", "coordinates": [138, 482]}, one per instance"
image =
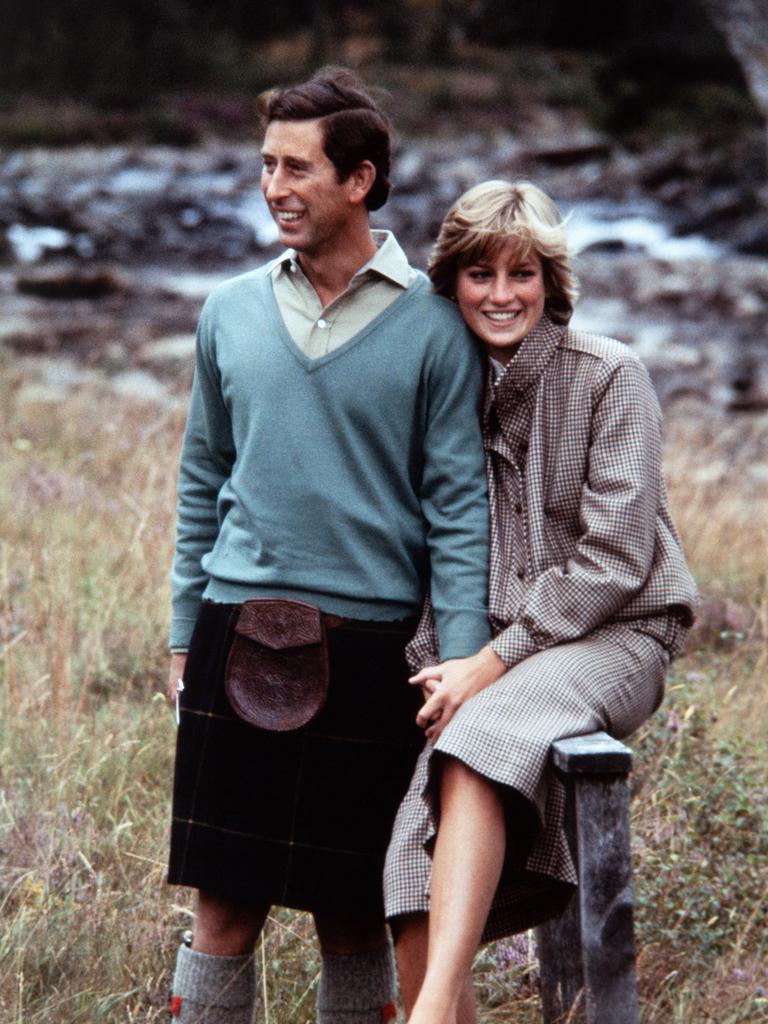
{"type": "Point", "coordinates": [430, 712]}
{"type": "Point", "coordinates": [428, 672]}
{"type": "Point", "coordinates": [432, 732]}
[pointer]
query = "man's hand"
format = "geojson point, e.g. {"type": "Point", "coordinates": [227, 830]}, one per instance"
{"type": "Point", "coordinates": [175, 672]}
{"type": "Point", "coordinates": [448, 685]}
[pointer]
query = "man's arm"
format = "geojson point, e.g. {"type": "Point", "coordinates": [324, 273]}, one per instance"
{"type": "Point", "coordinates": [207, 456]}
{"type": "Point", "coordinates": [453, 494]}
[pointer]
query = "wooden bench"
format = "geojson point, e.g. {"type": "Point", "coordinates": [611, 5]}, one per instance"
{"type": "Point", "coordinates": [587, 955]}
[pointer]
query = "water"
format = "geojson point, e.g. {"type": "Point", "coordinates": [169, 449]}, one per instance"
{"type": "Point", "coordinates": [75, 201]}
{"type": "Point", "coordinates": [640, 227]}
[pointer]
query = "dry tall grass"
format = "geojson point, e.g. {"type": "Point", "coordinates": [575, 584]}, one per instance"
{"type": "Point", "coordinates": [89, 930]}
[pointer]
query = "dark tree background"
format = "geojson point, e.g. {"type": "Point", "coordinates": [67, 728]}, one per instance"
{"type": "Point", "coordinates": [122, 52]}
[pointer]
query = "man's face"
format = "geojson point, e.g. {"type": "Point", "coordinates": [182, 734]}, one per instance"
{"type": "Point", "coordinates": [311, 207]}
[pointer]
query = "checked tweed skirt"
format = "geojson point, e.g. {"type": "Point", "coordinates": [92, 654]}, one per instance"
{"type": "Point", "coordinates": [613, 679]}
{"type": "Point", "coordinates": [299, 819]}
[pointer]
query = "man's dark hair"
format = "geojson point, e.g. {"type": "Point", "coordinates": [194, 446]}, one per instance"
{"type": "Point", "coordinates": [354, 129]}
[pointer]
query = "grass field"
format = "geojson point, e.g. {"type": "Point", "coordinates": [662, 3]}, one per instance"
{"type": "Point", "coordinates": [89, 930]}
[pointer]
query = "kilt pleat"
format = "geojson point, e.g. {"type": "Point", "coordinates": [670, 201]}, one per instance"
{"type": "Point", "coordinates": [613, 680]}
{"type": "Point", "coordinates": [299, 819]}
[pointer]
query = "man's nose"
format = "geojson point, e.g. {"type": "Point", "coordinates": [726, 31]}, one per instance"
{"type": "Point", "coordinates": [274, 185]}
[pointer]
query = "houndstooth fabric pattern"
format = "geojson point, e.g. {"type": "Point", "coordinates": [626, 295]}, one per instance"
{"type": "Point", "coordinates": [611, 680]}
{"type": "Point", "coordinates": [581, 533]}
{"type": "Point", "coordinates": [589, 598]}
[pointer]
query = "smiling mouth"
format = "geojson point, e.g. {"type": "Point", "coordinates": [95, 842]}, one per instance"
{"type": "Point", "coordinates": [502, 318]}
{"type": "Point", "coordinates": [288, 216]}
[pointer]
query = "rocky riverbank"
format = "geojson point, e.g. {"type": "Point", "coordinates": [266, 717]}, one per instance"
{"type": "Point", "coordinates": [106, 254]}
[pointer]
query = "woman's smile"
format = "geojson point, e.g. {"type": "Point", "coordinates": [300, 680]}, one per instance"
{"type": "Point", "coordinates": [502, 299]}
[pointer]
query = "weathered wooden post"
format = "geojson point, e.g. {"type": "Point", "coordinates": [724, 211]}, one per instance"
{"type": "Point", "coordinates": [587, 954]}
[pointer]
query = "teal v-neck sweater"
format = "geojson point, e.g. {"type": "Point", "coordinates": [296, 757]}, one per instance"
{"type": "Point", "coordinates": [351, 481]}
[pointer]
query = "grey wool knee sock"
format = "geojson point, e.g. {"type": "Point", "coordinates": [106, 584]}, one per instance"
{"type": "Point", "coordinates": [212, 989]}
{"type": "Point", "coordinates": [357, 988]}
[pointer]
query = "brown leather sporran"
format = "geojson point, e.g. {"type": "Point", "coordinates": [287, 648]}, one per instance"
{"type": "Point", "coordinates": [277, 673]}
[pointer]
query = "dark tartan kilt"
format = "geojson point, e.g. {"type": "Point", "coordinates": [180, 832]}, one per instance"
{"type": "Point", "coordinates": [299, 819]}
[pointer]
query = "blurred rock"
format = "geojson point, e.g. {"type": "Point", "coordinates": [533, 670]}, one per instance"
{"type": "Point", "coordinates": [177, 221]}
{"type": "Point", "coordinates": [72, 283]}
{"type": "Point", "coordinates": [720, 619]}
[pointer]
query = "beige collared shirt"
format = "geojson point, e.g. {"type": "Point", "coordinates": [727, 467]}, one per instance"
{"type": "Point", "coordinates": [318, 330]}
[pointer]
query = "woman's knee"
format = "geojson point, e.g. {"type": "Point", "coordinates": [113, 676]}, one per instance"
{"type": "Point", "coordinates": [457, 776]}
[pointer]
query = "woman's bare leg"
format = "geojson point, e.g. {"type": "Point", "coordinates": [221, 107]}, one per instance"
{"type": "Point", "coordinates": [467, 863]}
{"type": "Point", "coordinates": [411, 942]}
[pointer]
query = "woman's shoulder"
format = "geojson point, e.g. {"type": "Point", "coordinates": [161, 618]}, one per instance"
{"type": "Point", "coordinates": [602, 364]}
{"type": "Point", "coordinates": [599, 348]}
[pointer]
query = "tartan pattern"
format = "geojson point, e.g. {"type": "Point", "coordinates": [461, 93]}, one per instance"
{"type": "Point", "coordinates": [589, 598]}
{"type": "Point", "coordinates": [302, 818]}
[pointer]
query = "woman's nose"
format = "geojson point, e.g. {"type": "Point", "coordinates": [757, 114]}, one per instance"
{"type": "Point", "coordinates": [502, 290]}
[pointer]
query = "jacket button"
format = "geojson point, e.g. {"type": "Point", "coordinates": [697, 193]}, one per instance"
{"type": "Point", "coordinates": [518, 508]}
{"type": "Point", "coordinates": [521, 574]}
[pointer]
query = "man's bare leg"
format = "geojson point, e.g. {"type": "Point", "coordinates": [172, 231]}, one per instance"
{"type": "Point", "coordinates": [467, 863]}
{"type": "Point", "coordinates": [214, 980]}
{"type": "Point", "coordinates": [223, 927]}
{"type": "Point", "coordinates": [411, 943]}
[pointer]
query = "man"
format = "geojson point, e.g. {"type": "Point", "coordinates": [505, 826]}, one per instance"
{"type": "Point", "coordinates": [332, 456]}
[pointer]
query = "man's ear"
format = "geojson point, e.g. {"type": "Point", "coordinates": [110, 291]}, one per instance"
{"type": "Point", "coordinates": [361, 181]}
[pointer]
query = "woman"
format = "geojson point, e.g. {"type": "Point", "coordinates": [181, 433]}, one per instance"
{"type": "Point", "coordinates": [590, 598]}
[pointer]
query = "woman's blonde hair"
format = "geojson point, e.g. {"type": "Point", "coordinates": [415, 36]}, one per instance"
{"type": "Point", "coordinates": [491, 215]}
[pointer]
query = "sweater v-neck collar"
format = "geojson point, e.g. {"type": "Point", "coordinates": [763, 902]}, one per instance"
{"type": "Point", "coordinates": [310, 364]}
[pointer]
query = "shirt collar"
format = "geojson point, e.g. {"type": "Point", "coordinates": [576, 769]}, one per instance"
{"type": "Point", "coordinates": [388, 261]}
{"type": "Point", "coordinates": [526, 366]}
{"type": "Point", "coordinates": [531, 358]}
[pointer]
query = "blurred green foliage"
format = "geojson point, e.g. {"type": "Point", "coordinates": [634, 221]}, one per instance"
{"type": "Point", "coordinates": [121, 51]}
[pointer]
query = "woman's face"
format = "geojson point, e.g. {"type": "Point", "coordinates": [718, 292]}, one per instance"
{"type": "Point", "coordinates": [502, 299]}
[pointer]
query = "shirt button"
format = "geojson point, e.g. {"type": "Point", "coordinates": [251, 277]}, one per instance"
{"type": "Point", "coordinates": [322, 323]}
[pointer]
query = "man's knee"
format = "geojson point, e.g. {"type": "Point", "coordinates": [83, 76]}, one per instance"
{"type": "Point", "coordinates": [347, 935]}
{"type": "Point", "coordinates": [225, 927]}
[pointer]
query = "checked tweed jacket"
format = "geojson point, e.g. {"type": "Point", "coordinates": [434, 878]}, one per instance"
{"type": "Point", "coordinates": [590, 596]}
{"type": "Point", "coordinates": [580, 524]}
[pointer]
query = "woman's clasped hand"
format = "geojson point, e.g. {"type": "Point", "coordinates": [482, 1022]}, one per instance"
{"type": "Point", "coordinates": [589, 599]}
